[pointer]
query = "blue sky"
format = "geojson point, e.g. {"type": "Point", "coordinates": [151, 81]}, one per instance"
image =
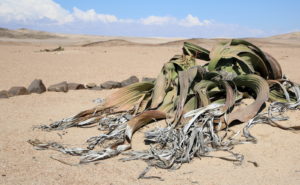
{"type": "Point", "coordinates": [154, 18]}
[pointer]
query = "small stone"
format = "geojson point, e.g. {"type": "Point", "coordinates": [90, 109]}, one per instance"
{"type": "Point", "coordinates": [129, 81]}
{"type": "Point", "coordinates": [110, 85]}
{"type": "Point", "coordinates": [90, 85]}
{"type": "Point", "coordinates": [60, 87]}
{"type": "Point", "coordinates": [75, 86]}
{"type": "Point", "coordinates": [146, 79]}
{"type": "Point", "coordinates": [16, 91]}
{"type": "Point", "coordinates": [99, 100]}
{"type": "Point", "coordinates": [4, 94]}
{"type": "Point", "coordinates": [97, 88]}
{"type": "Point", "coordinates": [36, 86]}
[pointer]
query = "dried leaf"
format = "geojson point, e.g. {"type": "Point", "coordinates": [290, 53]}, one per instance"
{"type": "Point", "coordinates": [159, 90]}
{"type": "Point", "coordinates": [184, 86]}
{"type": "Point", "coordinates": [141, 120]}
{"type": "Point", "coordinates": [129, 94]}
{"type": "Point", "coordinates": [260, 87]}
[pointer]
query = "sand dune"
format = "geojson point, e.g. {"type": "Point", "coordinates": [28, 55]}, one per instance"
{"type": "Point", "coordinates": [112, 42]}
{"type": "Point", "coordinates": [287, 36]}
{"type": "Point", "coordinates": [32, 36]}
{"type": "Point", "coordinates": [26, 34]}
{"type": "Point", "coordinates": [277, 152]}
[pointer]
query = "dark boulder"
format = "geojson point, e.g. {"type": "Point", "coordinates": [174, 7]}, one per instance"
{"type": "Point", "coordinates": [75, 86]}
{"type": "Point", "coordinates": [4, 94]}
{"type": "Point", "coordinates": [97, 88]}
{"type": "Point", "coordinates": [60, 87]}
{"type": "Point", "coordinates": [36, 86]}
{"type": "Point", "coordinates": [146, 79]}
{"type": "Point", "coordinates": [16, 91]}
{"type": "Point", "coordinates": [129, 81]}
{"type": "Point", "coordinates": [110, 85]}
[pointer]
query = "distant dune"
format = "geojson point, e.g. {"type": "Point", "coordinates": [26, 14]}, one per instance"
{"type": "Point", "coordinates": [32, 36]}
{"type": "Point", "coordinates": [112, 42]}
{"type": "Point", "coordinates": [26, 34]}
{"type": "Point", "coordinates": [287, 36]}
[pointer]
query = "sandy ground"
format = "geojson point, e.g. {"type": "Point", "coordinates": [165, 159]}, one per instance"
{"type": "Point", "coordinates": [277, 152]}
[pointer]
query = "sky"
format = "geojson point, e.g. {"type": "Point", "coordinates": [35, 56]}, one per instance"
{"type": "Point", "coordinates": [154, 18]}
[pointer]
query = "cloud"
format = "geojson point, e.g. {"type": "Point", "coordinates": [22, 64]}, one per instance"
{"type": "Point", "coordinates": [191, 20]}
{"type": "Point", "coordinates": [31, 10]}
{"type": "Point", "coordinates": [188, 21]}
{"type": "Point", "coordinates": [48, 15]}
{"type": "Point", "coordinates": [157, 20]}
{"type": "Point", "coordinates": [91, 15]}
{"type": "Point", "coordinates": [27, 11]}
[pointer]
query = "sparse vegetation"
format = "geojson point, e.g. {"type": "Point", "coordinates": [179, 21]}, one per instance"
{"type": "Point", "coordinates": [198, 102]}
{"type": "Point", "coordinates": [53, 50]}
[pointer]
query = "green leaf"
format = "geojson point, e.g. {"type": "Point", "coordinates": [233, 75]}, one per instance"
{"type": "Point", "coordinates": [274, 69]}
{"type": "Point", "coordinates": [195, 51]}
{"type": "Point", "coordinates": [169, 101]}
{"type": "Point", "coordinates": [280, 92]}
{"type": "Point", "coordinates": [202, 88]}
{"type": "Point", "coordinates": [238, 58]}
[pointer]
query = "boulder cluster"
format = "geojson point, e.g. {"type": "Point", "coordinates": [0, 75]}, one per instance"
{"type": "Point", "coordinates": [37, 86]}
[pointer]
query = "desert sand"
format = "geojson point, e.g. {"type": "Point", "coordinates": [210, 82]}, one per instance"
{"type": "Point", "coordinates": [277, 152]}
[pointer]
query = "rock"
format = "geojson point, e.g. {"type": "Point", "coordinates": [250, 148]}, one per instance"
{"type": "Point", "coordinates": [16, 91]}
{"type": "Point", "coordinates": [146, 79]}
{"type": "Point", "coordinates": [129, 81]}
{"type": "Point", "coordinates": [60, 87]}
{"type": "Point", "coordinates": [97, 88]}
{"type": "Point", "coordinates": [4, 94]}
{"type": "Point", "coordinates": [110, 85]}
{"type": "Point", "coordinates": [36, 86]}
{"type": "Point", "coordinates": [75, 86]}
{"type": "Point", "coordinates": [90, 85]}
{"type": "Point", "coordinates": [99, 100]}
